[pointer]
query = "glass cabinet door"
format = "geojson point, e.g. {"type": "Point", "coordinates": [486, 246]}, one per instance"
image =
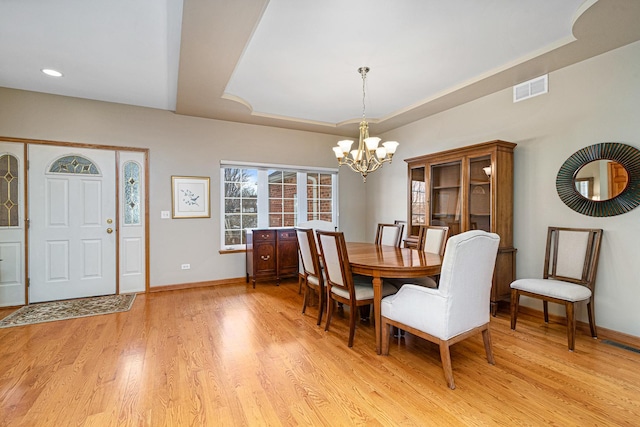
{"type": "Point", "coordinates": [480, 193]}
{"type": "Point", "coordinates": [445, 196]}
{"type": "Point", "coordinates": [418, 201]}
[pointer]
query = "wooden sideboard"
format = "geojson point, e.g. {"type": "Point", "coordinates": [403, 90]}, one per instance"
{"type": "Point", "coordinates": [272, 253]}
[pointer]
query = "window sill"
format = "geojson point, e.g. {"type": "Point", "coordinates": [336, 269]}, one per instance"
{"type": "Point", "coordinates": [231, 251]}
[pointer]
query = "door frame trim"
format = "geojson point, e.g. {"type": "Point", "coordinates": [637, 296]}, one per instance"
{"type": "Point", "coordinates": [117, 149]}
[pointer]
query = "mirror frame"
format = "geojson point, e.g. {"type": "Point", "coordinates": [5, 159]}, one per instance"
{"type": "Point", "coordinates": [626, 155]}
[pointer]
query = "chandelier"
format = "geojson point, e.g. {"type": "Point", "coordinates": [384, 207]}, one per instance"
{"type": "Point", "coordinates": [369, 156]}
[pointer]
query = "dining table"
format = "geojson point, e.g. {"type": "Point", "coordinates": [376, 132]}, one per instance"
{"type": "Point", "coordinates": [380, 261]}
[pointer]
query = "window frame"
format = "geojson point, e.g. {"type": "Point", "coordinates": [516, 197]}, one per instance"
{"type": "Point", "coordinates": [263, 194]}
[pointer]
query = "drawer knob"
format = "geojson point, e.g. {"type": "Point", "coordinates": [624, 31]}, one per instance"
{"type": "Point", "coordinates": [264, 236]}
{"type": "Point", "coordinates": [265, 257]}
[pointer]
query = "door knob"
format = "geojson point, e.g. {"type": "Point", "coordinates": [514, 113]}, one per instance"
{"type": "Point", "coordinates": [109, 221]}
{"type": "Point", "coordinates": [109, 230]}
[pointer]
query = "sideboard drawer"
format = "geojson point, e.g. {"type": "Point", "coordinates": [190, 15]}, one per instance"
{"type": "Point", "coordinates": [264, 235]}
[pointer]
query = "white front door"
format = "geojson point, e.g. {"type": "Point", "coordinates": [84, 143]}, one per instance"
{"type": "Point", "coordinates": [72, 238]}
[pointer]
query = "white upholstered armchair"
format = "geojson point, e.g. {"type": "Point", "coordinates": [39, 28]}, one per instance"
{"type": "Point", "coordinates": [459, 308]}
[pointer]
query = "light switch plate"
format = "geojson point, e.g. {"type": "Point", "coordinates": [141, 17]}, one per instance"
{"type": "Point", "coordinates": [164, 215]}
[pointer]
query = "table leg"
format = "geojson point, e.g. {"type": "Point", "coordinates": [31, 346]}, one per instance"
{"type": "Point", "coordinates": [377, 300]}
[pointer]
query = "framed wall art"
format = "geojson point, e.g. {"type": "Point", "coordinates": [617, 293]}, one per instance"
{"type": "Point", "coordinates": [190, 197]}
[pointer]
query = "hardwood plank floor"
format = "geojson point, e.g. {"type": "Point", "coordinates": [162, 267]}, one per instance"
{"type": "Point", "coordinates": [232, 355]}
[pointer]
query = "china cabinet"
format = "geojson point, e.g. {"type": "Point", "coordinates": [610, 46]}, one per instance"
{"type": "Point", "coordinates": [468, 188]}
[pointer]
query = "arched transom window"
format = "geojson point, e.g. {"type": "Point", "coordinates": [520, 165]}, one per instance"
{"type": "Point", "coordinates": [74, 164]}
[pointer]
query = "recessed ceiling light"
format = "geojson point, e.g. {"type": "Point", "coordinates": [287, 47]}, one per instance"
{"type": "Point", "coordinates": [52, 73]}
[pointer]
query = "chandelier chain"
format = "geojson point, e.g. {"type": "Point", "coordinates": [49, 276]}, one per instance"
{"type": "Point", "coordinates": [368, 157]}
{"type": "Point", "coordinates": [363, 71]}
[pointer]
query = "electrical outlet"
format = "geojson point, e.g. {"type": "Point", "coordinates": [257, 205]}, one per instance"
{"type": "Point", "coordinates": [185, 266]}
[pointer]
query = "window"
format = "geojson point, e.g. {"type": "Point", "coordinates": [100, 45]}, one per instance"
{"type": "Point", "coordinates": [257, 195]}
{"type": "Point", "coordinates": [9, 191]}
{"type": "Point", "coordinates": [320, 196]}
{"type": "Point", "coordinates": [131, 193]}
{"type": "Point", "coordinates": [283, 198]}
{"type": "Point", "coordinates": [74, 165]}
{"type": "Point", "coordinates": [240, 204]}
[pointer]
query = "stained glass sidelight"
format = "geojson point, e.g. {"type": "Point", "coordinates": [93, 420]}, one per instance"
{"type": "Point", "coordinates": [131, 193]}
{"type": "Point", "coordinates": [74, 165]}
{"type": "Point", "coordinates": [9, 191]}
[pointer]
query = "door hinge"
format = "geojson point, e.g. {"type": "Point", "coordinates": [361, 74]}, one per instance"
{"type": "Point", "coordinates": [27, 222]}
{"type": "Point", "coordinates": [28, 282]}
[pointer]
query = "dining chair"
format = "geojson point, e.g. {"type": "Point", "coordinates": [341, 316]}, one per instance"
{"type": "Point", "coordinates": [342, 286]}
{"type": "Point", "coordinates": [458, 309]}
{"type": "Point", "coordinates": [314, 224]}
{"type": "Point", "coordinates": [569, 276]}
{"type": "Point", "coordinates": [389, 234]}
{"type": "Point", "coordinates": [403, 223]}
{"type": "Point", "coordinates": [313, 274]}
{"type": "Point", "coordinates": [432, 239]}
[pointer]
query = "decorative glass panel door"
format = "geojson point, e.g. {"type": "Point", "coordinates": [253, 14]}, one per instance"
{"type": "Point", "coordinates": [12, 224]}
{"type": "Point", "coordinates": [418, 201]}
{"type": "Point", "coordinates": [445, 196]}
{"type": "Point", "coordinates": [72, 237]}
{"type": "Point", "coordinates": [480, 193]}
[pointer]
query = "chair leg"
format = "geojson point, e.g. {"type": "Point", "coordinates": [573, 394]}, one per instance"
{"type": "Point", "coordinates": [330, 305]}
{"type": "Point", "coordinates": [515, 303]}
{"type": "Point", "coordinates": [445, 357]}
{"type": "Point", "coordinates": [486, 337]}
{"type": "Point", "coordinates": [300, 279]}
{"type": "Point", "coordinates": [571, 325]}
{"type": "Point", "coordinates": [545, 309]}
{"type": "Point", "coordinates": [386, 337]}
{"type": "Point", "coordinates": [352, 323]}
{"type": "Point", "coordinates": [321, 297]}
{"type": "Point", "coordinates": [305, 299]}
{"type": "Point", "coordinates": [592, 318]}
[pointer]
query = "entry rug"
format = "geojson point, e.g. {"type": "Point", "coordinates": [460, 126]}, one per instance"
{"type": "Point", "coordinates": [69, 309]}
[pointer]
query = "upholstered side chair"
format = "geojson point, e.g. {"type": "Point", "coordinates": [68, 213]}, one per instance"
{"type": "Point", "coordinates": [569, 277]}
{"type": "Point", "coordinates": [315, 224]}
{"type": "Point", "coordinates": [342, 286]}
{"type": "Point", "coordinates": [313, 274]}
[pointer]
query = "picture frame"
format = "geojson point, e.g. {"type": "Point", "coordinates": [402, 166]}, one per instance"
{"type": "Point", "coordinates": [190, 197]}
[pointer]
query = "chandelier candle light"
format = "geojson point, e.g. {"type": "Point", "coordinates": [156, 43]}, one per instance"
{"type": "Point", "coordinates": [369, 156]}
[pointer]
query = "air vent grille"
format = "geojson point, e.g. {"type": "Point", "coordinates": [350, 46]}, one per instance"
{"type": "Point", "coordinates": [531, 88]}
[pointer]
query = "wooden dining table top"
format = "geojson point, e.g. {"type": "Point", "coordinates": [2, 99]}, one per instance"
{"type": "Point", "coordinates": [391, 261]}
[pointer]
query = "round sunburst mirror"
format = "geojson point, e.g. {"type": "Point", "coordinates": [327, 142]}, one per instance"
{"type": "Point", "coordinates": [601, 180]}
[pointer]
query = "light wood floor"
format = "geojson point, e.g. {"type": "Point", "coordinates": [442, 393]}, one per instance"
{"type": "Point", "coordinates": [232, 355]}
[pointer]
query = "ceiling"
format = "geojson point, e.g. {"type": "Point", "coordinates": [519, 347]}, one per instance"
{"type": "Point", "coordinates": [293, 63]}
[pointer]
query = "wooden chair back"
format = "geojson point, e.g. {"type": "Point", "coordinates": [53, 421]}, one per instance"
{"type": "Point", "coordinates": [310, 263]}
{"type": "Point", "coordinates": [333, 249]}
{"type": "Point", "coordinates": [433, 238]}
{"type": "Point", "coordinates": [389, 234]}
{"type": "Point", "coordinates": [572, 255]}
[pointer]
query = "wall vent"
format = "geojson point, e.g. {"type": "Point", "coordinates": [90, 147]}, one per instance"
{"type": "Point", "coordinates": [531, 88]}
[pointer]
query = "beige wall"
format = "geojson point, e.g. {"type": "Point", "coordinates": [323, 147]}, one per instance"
{"type": "Point", "coordinates": [591, 102]}
{"type": "Point", "coordinates": [179, 145]}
